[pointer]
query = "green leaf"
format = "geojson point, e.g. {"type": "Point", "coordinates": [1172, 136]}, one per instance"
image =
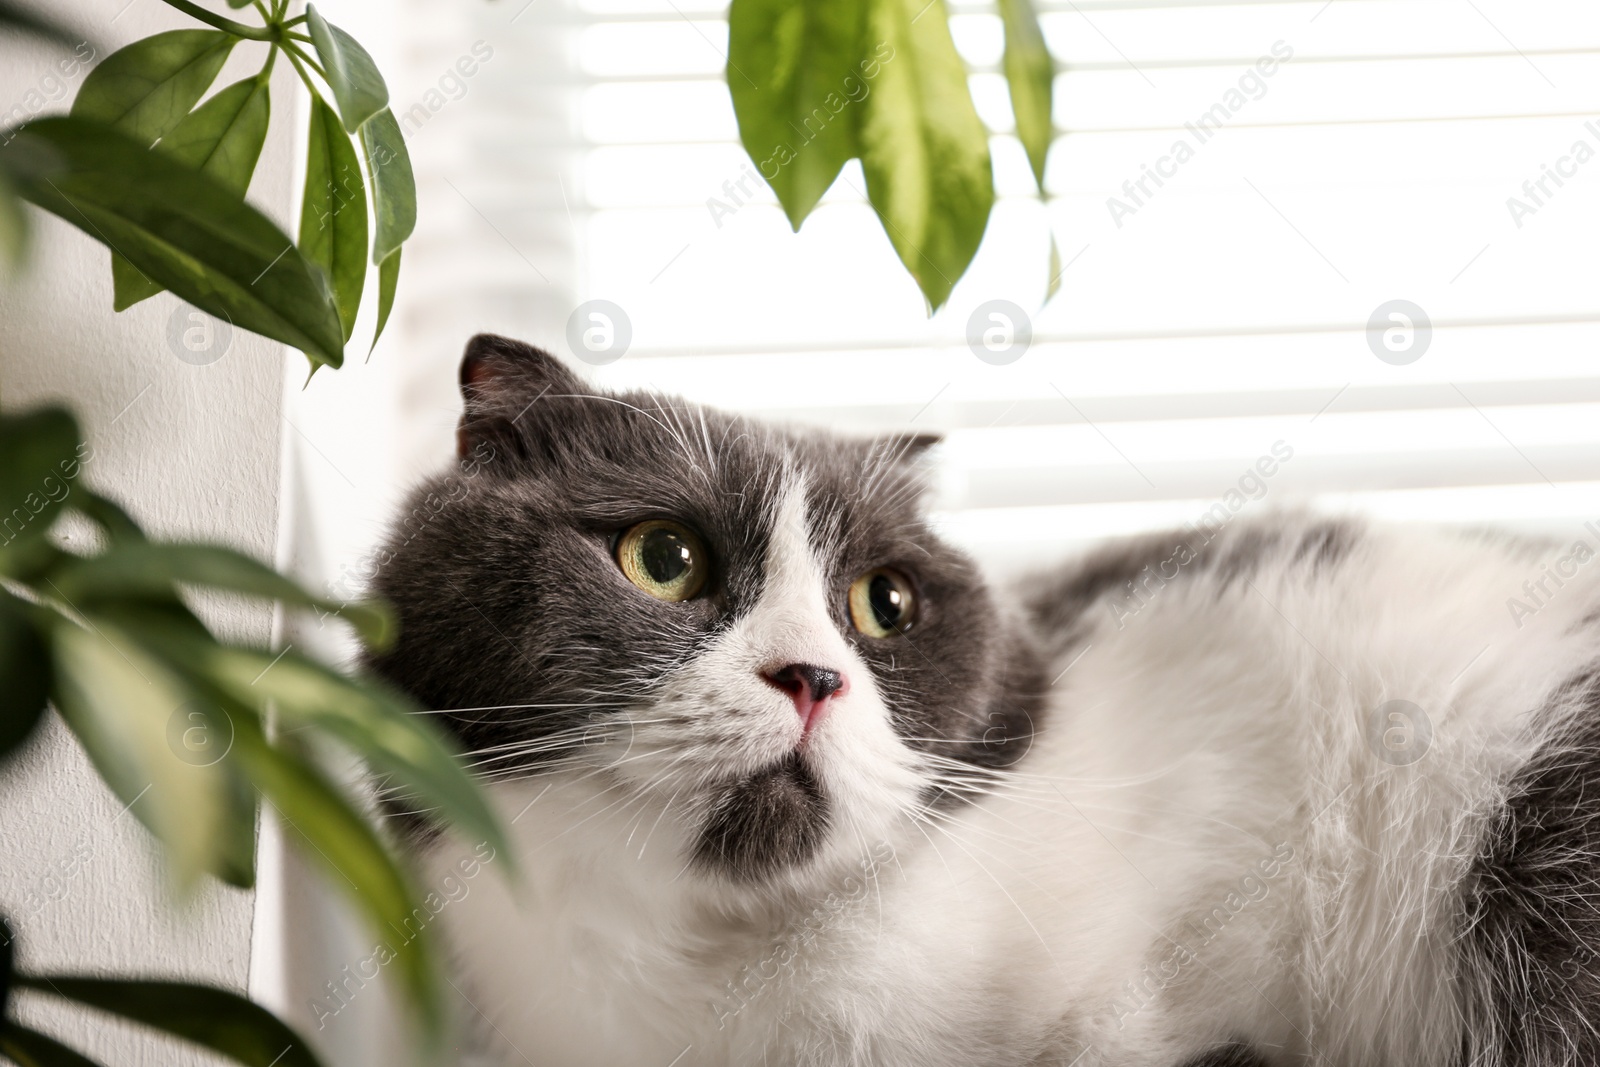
{"type": "Point", "coordinates": [205, 1015]}
{"type": "Point", "coordinates": [335, 837]}
{"type": "Point", "coordinates": [15, 17]}
{"type": "Point", "coordinates": [797, 119]}
{"type": "Point", "coordinates": [394, 189]}
{"type": "Point", "coordinates": [38, 458]}
{"type": "Point", "coordinates": [223, 137]}
{"type": "Point", "coordinates": [148, 569]}
{"type": "Point", "coordinates": [13, 224]}
{"type": "Point", "coordinates": [117, 524]}
{"type": "Point", "coordinates": [333, 212]}
{"type": "Point", "coordinates": [923, 148]}
{"type": "Point", "coordinates": [147, 88]}
{"type": "Point", "coordinates": [129, 284]}
{"type": "Point", "coordinates": [352, 75]}
{"type": "Point", "coordinates": [24, 673]}
{"type": "Point", "coordinates": [29, 1048]}
{"type": "Point", "coordinates": [120, 702]}
{"type": "Point", "coordinates": [388, 284]}
{"type": "Point", "coordinates": [1030, 72]}
{"type": "Point", "coordinates": [179, 227]}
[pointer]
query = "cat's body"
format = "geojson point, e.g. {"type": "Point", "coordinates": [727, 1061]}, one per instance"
{"type": "Point", "coordinates": [1274, 791]}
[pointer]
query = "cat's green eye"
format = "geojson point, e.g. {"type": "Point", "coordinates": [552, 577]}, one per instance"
{"type": "Point", "coordinates": [882, 603]}
{"type": "Point", "coordinates": [663, 558]}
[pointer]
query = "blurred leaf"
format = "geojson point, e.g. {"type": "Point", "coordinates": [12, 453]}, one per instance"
{"type": "Point", "coordinates": [791, 67]}
{"type": "Point", "coordinates": [205, 1015]}
{"type": "Point", "coordinates": [120, 702]}
{"type": "Point", "coordinates": [223, 137]}
{"type": "Point", "coordinates": [149, 569]}
{"type": "Point", "coordinates": [117, 524]}
{"type": "Point", "coordinates": [37, 449]}
{"type": "Point", "coordinates": [352, 75]}
{"type": "Point", "coordinates": [147, 88]}
{"type": "Point", "coordinates": [179, 227]}
{"type": "Point", "coordinates": [334, 836]}
{"type": "Point", "coordinates": [16, 17]}
{"type": "Point", "coordinates": [388, 284]}
{"type": "Point", "coordinates": [394, 189]}
{"type": "Point", "coordinates": [1053, 285]}
{"type": "Point", "coordinates": [24, 673]}
{"type": "Point", "coordinates": [378, 724]}
{"type": "Point", "coordinates": [333, 212]}
{"type": "Point", "coordinates": [13, 224]}
{"type": "Point", "coordinates": [923, 147]}
{"type": "Point", "coordinates": [1030, 72]}
{"type": "Point", "coordinates": [29, 1048]}
{"type": "Point", "coordinates": [129, 285]}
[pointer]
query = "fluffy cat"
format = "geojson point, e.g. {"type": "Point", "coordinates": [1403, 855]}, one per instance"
{"type": "Point", "coordinates": [793, 786]}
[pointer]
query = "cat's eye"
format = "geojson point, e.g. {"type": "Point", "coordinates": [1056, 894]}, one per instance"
{"type": "Point", "coordinates": [882, 603]}
{"type": "Point", "coordinates": [663, 558]}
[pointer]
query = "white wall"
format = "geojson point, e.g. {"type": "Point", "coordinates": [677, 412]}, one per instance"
{"type": "Point", "coordinates": [192, 451]}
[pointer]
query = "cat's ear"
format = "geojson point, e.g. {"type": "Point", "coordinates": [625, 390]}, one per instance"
{"type": "Point", "coordinates": [501, 380]}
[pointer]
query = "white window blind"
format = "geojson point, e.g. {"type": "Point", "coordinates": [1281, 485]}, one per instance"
{"type": "Point", "coordinates": [595, 156]}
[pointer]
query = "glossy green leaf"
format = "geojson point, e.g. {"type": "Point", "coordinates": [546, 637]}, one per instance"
{"type": "Point", "coordinates": [210, 1017]}
{"type": "Point", "coordinates": [1030, 73]}
{"type": "Point", "coordinates": [223, 137]}
{"type": "Point", "coordinates": [13, 224]}
{"type": "Point", "coordinates": [29, 1048]}
{"type": "Point", "coordinates": [120, 702]}
{"type": "Point", "coordinates": [38, 460]}
{"type": "Point", "coordinates": [129, 284]}
{"type": "Point", "coordinates": [923, 148]}
{"type": "Point", "coordinates": [149, 568]}
{"type": "Point", "coordinates": [117, 524]}
{"type": "Point", "coordinates": [179, 227]}
{"type": "Point", "coordinates": [394, 188]}
{"type": "Point", "coordinates": [388, 285]}
{"type": "Point", "coordinates": [333, 212]}
{"type": "Point", "coordinates": [339, 840]}
{"type": "Point", "coordinates": [1053, 285]}
{"type": "Point", "coordinates": [15, 17]}
{"type": "Point", "coordinates": [352, 75]}
{"type": "Point", "coordinates": [797, 73]}
{"type": "Point", "coordinates": [147, 88]}
{"type": "Point", "coordinates": [24, 673]}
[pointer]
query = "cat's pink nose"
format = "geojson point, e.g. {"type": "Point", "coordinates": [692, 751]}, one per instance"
{"type": "Point", "coordinates": [811, 688]}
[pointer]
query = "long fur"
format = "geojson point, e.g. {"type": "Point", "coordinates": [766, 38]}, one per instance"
{"type": "Point", "coordinates": [1254, 792]}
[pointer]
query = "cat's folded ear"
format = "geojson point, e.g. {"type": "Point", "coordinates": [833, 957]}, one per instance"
{"type": "Point", "coordinates": [501, 380]}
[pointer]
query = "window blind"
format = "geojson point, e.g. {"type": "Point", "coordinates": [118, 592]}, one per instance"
{"type": "Point", "coordinates": [1241, 194]}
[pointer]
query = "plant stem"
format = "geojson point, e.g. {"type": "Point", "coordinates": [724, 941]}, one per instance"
{"type": "Point", "coordinates": [238, 29]}
{"type": "Point", "coordinates": [295, 53]}
{"type": "Point", "coordinates": [298, 69]}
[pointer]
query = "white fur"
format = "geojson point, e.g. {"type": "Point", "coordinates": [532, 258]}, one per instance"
{"type": "Point", "coordinates": [1219, 733]}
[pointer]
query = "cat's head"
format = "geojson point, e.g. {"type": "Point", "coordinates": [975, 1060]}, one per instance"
{"type": "Point", "coordinates": [754, 626]}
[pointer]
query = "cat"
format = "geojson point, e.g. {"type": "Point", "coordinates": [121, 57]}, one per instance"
{"type": "Point", "coordinates": [792, 785]}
